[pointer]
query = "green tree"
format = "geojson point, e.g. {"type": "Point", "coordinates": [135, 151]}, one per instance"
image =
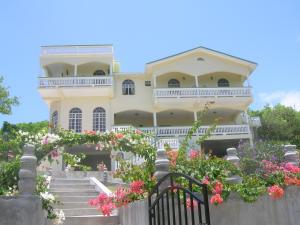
{"type": "Point", "coordinates": [279, 123]}
{"type": "Point", "coordinates": [6, 101]}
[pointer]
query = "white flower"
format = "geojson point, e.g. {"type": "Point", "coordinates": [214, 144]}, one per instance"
{"type": "Point", "coordinates": [60, 218]}
{"type": "Point", "coordinates": [47, 196]}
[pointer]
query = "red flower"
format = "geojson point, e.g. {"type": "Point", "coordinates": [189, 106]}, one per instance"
{"type": "Point", "coordinates": [137, 187]}
{"type": "Point", "coordinates": [90, 132]}
{"type": "Point", "coordinates": [194, 154]}
{"type": "Point", "coordinates": [216, 199]}
{"type": "Point", "coordinates": [54, 154]}
{"type": "Point", "coordinates": [119, 135]}
{"type": "Point", "coordinates": [291, 168]}
{"type": "Point", "coordinates": [276, 192]}
{"type": "Point", "coordinates": [93, 202]}
{"type": "Point", "coordinates": [218, 188]}
{"type": "Point", "coordinates": [102, 198]}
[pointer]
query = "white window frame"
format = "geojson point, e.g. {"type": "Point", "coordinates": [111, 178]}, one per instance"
{"type": "Point", "coordinates": [99, 119]}
{"type": "Point", "coordinates": [75, 120]}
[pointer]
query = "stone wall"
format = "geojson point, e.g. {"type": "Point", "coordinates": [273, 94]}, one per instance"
{"type": "Point", "coordinates": [234, 211]}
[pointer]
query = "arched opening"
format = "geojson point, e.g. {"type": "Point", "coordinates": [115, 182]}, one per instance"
{"type": "Point", "coordinates": [93, 69]}
{"type": "Point", "coordinates": [128, 87]}
{"type": "Point", "coordinates": [175, 80]}
{"type": "Point", "coordinates": [99, 119]}
{"type": "Point", "coordinates": [59, 70]}
{"type": "Point", "coordinates": [136, 118]}
{"type": "Point", "coordinates": [75, 120]}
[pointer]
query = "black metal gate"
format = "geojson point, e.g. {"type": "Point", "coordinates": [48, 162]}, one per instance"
{"type": "Point", "coordinates": [178, 199]}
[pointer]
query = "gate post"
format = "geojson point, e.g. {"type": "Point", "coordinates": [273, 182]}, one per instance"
{"type": "Point", "coordinates": [291, 155]}
{"type": "Point", "coordinates": [233, 158]}
{"type": "Point", "coordinates": [161, 166]}
{"type": "Point", "coordinates": [27, 173]}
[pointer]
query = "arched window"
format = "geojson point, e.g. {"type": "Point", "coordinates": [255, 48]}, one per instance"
{"type": "Point", "coordinates": [54, 119]}
{"type": "Point", "coordinates": [99, 73]}
{"type": "Point", "coordinates": [99, 119]}
{"type": "Point", "coordinates": [75, 120]}
{"type": "Point", "coordinates": [173, 83]}
{"type": "Point", "coordinates": [128, 87]}
{"type": "Point", "coordinates": [223, 83]}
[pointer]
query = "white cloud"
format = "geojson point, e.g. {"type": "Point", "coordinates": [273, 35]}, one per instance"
{"type": "Point", "coordinates": [289, 98]}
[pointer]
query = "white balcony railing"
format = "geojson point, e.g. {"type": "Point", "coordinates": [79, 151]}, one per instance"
{"type": "Point", "coordinates": [182, 131]}
{"type": "Point", "coordinates": [201, 92]}
{"type": "Point", "coordinates": [54, 82]}
{"type": "Point", "coordinates": [71, 50]}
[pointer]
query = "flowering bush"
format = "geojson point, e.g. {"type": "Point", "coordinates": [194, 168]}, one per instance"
{"type": "Point", "coordinates": [106, 204]}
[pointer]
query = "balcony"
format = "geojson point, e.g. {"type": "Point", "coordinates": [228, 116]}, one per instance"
{"type": "Point", "coordinates": [75, 86]}
{"type": "Point", "coordinates": [221, 132]}
{"type": "Point", "coordinates": [76, 50]}
{"type": "Point", "coordinates": [241, 96]}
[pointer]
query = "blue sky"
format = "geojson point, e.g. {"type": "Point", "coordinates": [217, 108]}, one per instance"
{"type": "Point", "coordinates": [267, 32]}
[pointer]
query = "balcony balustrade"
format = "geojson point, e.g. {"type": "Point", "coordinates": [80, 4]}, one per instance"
{"type": "Point", "coordinates": [77, 50]}
{"type": "Point", "coordinates": [201, 92]}
{"type": "Point", "coordinates": [55, 82]}
{"type": "Point", "coordinates": [221, 130]}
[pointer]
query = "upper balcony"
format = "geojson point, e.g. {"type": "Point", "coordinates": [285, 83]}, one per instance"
{"type": "Point", "coordinates": [186, 91]}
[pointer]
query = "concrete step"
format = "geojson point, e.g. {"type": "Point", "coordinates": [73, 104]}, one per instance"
{"type": "Point", "coordinates": [73, 193]}
{"type": "Point", "coordinates": [71, 205]}
{"type": "Point", "coordinates": [70, 181]}
{"type": "Point", "coordinates": [72, 186]}
{"type": "Point", "coordinates": [63, 199]}
{"type": "Point", "coordinates": [81, 212]}
{"type": "Point", "coordinates": [91, 220]}
{"type": "Point", "coordinates": [92, 189]}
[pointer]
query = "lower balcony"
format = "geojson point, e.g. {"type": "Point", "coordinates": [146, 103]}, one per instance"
{"type": "Point", "coordinates": [75, 86]}
{"type": "Point", "coordinates": [191, 96]}
{"type": "Point", "coordinates": [220, 132]}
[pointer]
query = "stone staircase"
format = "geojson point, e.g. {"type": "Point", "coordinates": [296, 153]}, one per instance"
{"type": "Point", "coordinates": [73, 195]}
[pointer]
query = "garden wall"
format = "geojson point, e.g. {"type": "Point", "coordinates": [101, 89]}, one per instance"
{"type": "Point", "coordinates": [234, 211]}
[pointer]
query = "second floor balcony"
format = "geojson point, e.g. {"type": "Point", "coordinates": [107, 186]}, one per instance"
{"type": "Point", "coordinates": [75, 86]}
{"type": "Point", "coordinates": [236, 96]}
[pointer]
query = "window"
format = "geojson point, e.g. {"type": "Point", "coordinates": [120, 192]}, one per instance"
{"type": "Point", "coordinates": [54, 119]}
{"type": "Point", "coordinates": [99, 119]}
{"type": "Point", "coordinates": [223, 83]}
{"type": "Point", "coordinates": [99, 73]}
{"type": "Point", "coordinates": [128, 87]}
{"type": "Point", "coordinates": [75, 120]}
{"type": "Point", "coordinates": [147, 82]}
{"type": "Point", "coordinates": [173, 83]}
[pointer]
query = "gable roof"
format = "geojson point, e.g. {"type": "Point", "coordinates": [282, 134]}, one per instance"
{"type": "Point", "coordinates": [205, 50]}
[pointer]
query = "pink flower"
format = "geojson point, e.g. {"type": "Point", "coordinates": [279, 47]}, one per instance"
{"type": "Point", "coordinates": [106, 209]}
{"type": "Point", "coordinates": [218, 188]}
{"type": "Point", "coordinates": [206, 180]}
{"type": "Point", "coordinates": [189, 203]}
{"type": "Point", "coordinates": [119, 135]}
{"type": "Point", "coordinates": [291, 168]}
{"type": "Point", "coordinates": [275, 192]}
{"type": "Point", "coordinates": [138, 132]}
{"type": "Point", "coordinates": [216, 199]}
{"type": "Point", "coordinates": [194, 154]}
{"type": "Point", "coordinates": [93, 202]}
{"type": "Point", "coordinates": [102, 197]}
{"type": "Point", "coordinates": [54, 154]}
{"type": "Point", "coordinates": [137, 187]}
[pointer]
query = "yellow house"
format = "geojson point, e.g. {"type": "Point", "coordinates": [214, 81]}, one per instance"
{"type": "Point", "coordinates": [86, 90]}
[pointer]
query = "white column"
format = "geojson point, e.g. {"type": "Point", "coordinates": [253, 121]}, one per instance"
{"type": "Point", "coordinates": [195, 116]}
{"type": "Point", "coordinates": [75, 70]}
{"type": "Point", "coordinates": [196, 81]}
{"type": "Point", "coordinates": [110, 69]}
{"type": "Point", "coordinates": [154, 81]}
{"type": "Point", "coordinates": [154, 119]}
